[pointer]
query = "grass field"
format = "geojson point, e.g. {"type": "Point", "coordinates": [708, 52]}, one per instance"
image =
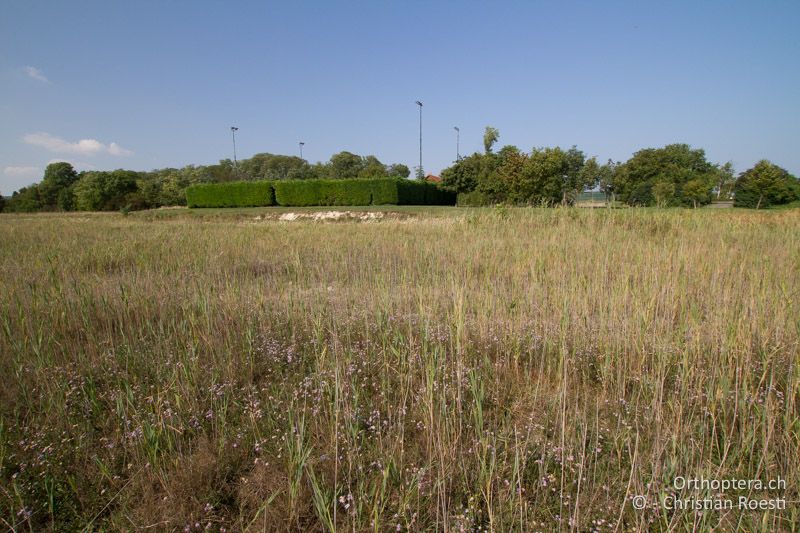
{"type": "Point", "coordinates": [449, 370]}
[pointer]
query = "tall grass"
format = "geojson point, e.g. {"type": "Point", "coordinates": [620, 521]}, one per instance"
{"type": "Point", "coordinates": [515, 370]}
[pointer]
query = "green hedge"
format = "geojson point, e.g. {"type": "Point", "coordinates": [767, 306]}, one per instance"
{"type": "Point", "coordinates": [336, 192]}
{"type": "Point", "coordinates": [297, 193]}
{"type": "Point", "coordinates": [360, 192]}
{"type": "Point", "coordinates": [231, 194]}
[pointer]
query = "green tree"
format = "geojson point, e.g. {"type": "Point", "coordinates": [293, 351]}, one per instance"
{"type": "Point", "coordinates": [25, 200]}
{"type": "Point", "coordinates": [470, 173]}
{"type": "Point", "coordinates": [272, 167]}
{"type": "Point", "coordinates": [107, 191]}
{"type": "Point", "coordinates": [696, 191]}
{"type": "Point", "coordinates": [607, 176]}
{"type": "Point", "coordinates": [398, 170]}
{"type": "Point", "coordinates": [675, 163]}
{"type": "Point", "coordinates": [66, 199]}
{"type": "Point", "coordinates": [557, 176]}
{"type": "Point", "coordinates": [507, 183]}
{"type": "Point", "coordinates": [724, 181]}
{"type": "Point", "coordinates": [490, 136]}
{"type": "Point", "coordinates": [2, 202]}
{"type": "Point", "coordinates": [663, 193]}
{"type": "Point", "coordinates": [764, 185]}
{"type": "Point", "coordinates": [345, 165]}
{"type": "Point", "coordinates": [57, 177]}
{"type": "Point", "coordinates": [372, 168]}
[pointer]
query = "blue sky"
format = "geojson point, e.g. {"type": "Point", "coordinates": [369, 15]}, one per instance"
{"type": "Point", "coordinates": [144, 85]}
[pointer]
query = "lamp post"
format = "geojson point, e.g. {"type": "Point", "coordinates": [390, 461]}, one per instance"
{"type": "Point", "coordinates": [234, 129]}
{"type": "Point", "coordinates": [301, 143]}
{"type": "Point", "coordinates": [419, 173]}
{"type": "Point", "coordinates": [458, 142]}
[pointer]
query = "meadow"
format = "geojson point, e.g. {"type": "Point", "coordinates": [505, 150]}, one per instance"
{"type": "Point", "coordinates": [439, 370]}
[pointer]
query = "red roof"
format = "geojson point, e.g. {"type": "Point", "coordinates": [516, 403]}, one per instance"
{"type": "Point", "coordinates": [433, 179]}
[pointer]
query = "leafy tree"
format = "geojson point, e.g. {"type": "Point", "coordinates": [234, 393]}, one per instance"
{"type": "Point", "coordinates": [2, 202]}
{"type": "Point", "coordinates": [675, 163]}
{"type": "Point", "coordinates": [271, 167]}
{"type": "Point", "coordinates": [371, 167]}
{"type": "Point", "coordinates": [557, 176]}
{"type": "Point", "coordinates": [469, 172]}
{"type": "Point", "coordinates": [398, 170]}
{"type": "Point", "coordinates": [724, 181]}
{"type": "Point", "coordinates": [107, 191]}
{"type": "Point", "coordinates": [764, 185]}
{"type": "Point", "coordinates": [25, 200]}
{"type": "Point", "coordinates": [490, 136]}
{"type": "Point", "coordinates": [66, 199]}
{"type": "Point", "coordinates": [507, 183]}
{"type": "Point", "coordinates": [57, 177]}
{"type": "Point", "coordinates": [345, 165]}
{"type": "Point", "coordinates": [697, 191]}
{"type": "Point", "coordinates": [663, 192]}
{"type": "Point", "coordinates": [607, 175]}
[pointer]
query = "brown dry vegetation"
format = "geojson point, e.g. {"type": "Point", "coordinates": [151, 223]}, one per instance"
{"type": "Point", "coordinates": [515, 370]}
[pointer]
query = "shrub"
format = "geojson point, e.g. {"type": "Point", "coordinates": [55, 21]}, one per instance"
{"type": "Point", "coordinates": [411, 192]}
{"type": "Point", "coordinates": [299, 193]}
{"type": "Point", "coordinates": [472, 199]}
{"type": "Point", "coordinates": [231, 194]}
{"type": "Point", "coordinates": [360, 192]}
{"type": "Point", "coordinates": [435, 195]}
{"type": "Point", "coordinates": [386, 192]}
{"type": "Point", "coordinates": [324, 192]}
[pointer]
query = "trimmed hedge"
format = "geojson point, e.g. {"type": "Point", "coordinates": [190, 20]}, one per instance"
{"type": "Point", "coordinates": [298, 193]}
{"type": "Point", "coordinates": [231, 194]}
{"type": "Point", "coordinates": [335, 192]}
{"type": "Point", "coordinates": [360, 192]}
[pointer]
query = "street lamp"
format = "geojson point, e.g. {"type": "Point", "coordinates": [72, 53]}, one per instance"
{"type": "Point", "coordinates": [419, 173]}
{"type": "Point", "coordinates": [458, 141]}
{"type": "Point", "coordinates": [234, 129]}
{"type": "Point", "coordinates": [301, 143]}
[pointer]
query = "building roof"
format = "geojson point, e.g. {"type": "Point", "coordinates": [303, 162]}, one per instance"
{"type": "Point", "coordinates": [433, 179]}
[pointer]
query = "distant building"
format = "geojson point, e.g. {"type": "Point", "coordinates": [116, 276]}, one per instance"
{"type": "Point", "coordinates": [430, 178]}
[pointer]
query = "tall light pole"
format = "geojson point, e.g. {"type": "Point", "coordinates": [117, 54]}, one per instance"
{"type": "Point", "coordinates": [419, 173]}
{"type": "Point", "coordinates": [458, 142]}
{"type": "Point", "coordinates": [234, 129]}
{"type": "Point", "coordinates": [301, 143]}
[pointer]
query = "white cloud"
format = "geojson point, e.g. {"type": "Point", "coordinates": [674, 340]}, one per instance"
{"type": "Point", "coordinates": [115, 149]}
{"type": "Point", "coordinates": [82, 147]}
{"type": "Point", "coordinates": [22, 172]}
{"type": "Point", "coordinates": [36, 74]}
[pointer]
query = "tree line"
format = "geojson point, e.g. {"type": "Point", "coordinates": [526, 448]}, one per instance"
{"type": "Point", "coordinates": [672, 176]}
{"type": "Point", "coordinates": [62, 188]}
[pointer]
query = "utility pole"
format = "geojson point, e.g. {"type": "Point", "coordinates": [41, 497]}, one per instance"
{"type": "Point", "coordinates": [301, 143]}
{"type": "Point", "coordinates": [458, 142]}
{"type": "Point", "coordinates": [419, 173]}
{"type": "Point", "coordinates": [234, 129]}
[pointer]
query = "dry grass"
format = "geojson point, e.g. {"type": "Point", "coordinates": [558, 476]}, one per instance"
{"type": "Point", "coordinates": [515, 370]}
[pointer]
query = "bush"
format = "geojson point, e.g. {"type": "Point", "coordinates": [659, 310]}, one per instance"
{"type": "Point", "coordinates": [324, 192]}
{"type": "Point", "coordinates": [231, 194]}
{"type": "Point", "coordinates": [411, 192]}
{"type": "Point", "coordinates": [435, 195]}
{"type": "Point", "coordinates": [299, 193]}
{"type": "Point", "coordinates": [472, 199]}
